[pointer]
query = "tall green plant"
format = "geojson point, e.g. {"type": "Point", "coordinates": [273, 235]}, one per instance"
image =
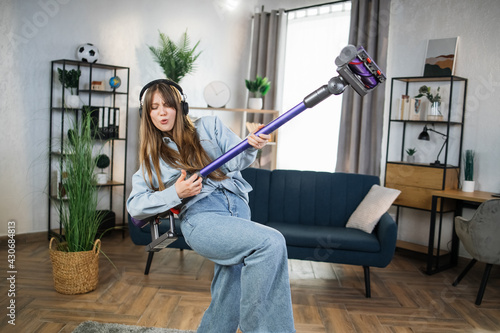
{"type": "Point", "coordinates": [79, 216]}
{"type": "Point", "coordinates": [469, 165]}
{"type": "Point", "coordinates": [176, 60]}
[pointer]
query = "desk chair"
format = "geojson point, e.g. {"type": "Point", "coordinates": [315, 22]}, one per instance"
{"type": "Point", "coordinates": [153, 234]}
{"type": "Point", "coordinates": [479, 236]}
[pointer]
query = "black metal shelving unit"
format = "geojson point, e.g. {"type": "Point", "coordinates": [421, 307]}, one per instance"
{"type": "Point", "coordinates": [115, 146]}
{"type": "Point", "coordinates": [417, 81]}
{"type": "Point", "coordinates": [452, 125]}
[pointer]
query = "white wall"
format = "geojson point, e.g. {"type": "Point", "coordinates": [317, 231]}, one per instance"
{"type": "Point", "coordinates": [34, 32]}
{"type": "Point", "coordinates": [414, 22]}
{"type": "Point", "coordinates": [477, 25]}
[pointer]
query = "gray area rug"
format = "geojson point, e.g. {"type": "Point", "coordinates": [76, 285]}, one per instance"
{"type": "Point", "coordinates": [95, 327]}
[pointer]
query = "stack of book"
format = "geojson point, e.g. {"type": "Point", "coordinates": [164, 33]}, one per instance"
{"type": "Point", "coordinates": [409, 109]}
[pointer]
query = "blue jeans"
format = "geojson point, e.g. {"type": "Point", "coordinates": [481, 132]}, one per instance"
{"type": "Point", "coordinates": [250, 287]}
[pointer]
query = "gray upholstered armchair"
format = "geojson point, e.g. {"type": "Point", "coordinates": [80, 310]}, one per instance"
{"type": "Point", "coordinates": [480, 236]}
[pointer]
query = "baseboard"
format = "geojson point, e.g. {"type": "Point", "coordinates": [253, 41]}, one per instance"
{"type": "Point", "coordinates": [26, 238]}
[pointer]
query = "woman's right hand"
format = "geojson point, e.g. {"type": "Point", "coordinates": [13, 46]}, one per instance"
{"type": "Point", "coordinates": [186, 188]}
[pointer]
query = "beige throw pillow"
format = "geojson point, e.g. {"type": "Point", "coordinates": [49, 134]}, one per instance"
{"type": "Point", "coordinates": [376, 202]}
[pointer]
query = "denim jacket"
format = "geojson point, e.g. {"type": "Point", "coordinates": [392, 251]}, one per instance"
{"type": "Point", "coordinates": [216, 139]}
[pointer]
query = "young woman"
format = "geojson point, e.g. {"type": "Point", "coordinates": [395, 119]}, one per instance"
{"type": "Point", "coordinates": [250, 288]}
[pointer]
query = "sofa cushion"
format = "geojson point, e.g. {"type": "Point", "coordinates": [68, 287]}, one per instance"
{"type": "Point", "coordinates": [375, 203]}
{"type": "Point", "coordinates": [340, 238]}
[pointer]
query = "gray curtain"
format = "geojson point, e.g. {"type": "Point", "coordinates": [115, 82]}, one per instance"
{"type": "Point", "coordinates": [269, 30]}
{"type": "Point", "coordinates": [267, 50]}
{"type": "Point", "coordinates": [361, 124]}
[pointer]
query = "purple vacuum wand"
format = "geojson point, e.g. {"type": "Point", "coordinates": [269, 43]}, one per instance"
{"type": "Point", "coordinates": [355, 68]}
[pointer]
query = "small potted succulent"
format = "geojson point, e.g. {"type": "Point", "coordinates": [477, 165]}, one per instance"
{"type": "Point", "coordinates": [69, 79]}
{"type": "Point", "coordinates": [411, 154]}
{"type": "Point", "coordinates": [259, 88]}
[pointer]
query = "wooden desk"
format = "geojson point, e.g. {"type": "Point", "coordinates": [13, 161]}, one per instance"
{"type": "Point", "coordinates": [462, 199]}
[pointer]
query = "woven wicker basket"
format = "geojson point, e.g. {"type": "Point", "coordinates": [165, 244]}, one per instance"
{"type": "Point", "coordinates": [75, 272]}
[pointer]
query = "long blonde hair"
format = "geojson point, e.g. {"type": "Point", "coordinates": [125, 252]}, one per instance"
{"type": "Point", "coordinates": [191, 155]}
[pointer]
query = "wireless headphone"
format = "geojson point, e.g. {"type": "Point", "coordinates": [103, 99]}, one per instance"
{"type": "Point", "coordinates": [184, 104]}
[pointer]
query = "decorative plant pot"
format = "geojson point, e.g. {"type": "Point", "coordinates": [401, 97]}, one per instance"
{"type": "Point", "coordinates": [102, 178]}
{"type": "Point", "coordinates": [255, 103]}
{"type": "Point", "coordinates": [410, 158]}
{"type": "Point", "coordinates": [468, 186]}
{"type": "Point", "coordinates": [72, 101]}
{"type": "Point", "coordinates": [75, 272]}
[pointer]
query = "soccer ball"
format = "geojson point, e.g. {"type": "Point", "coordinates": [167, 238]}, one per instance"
{"type": "Point", "coordinates": [88, 53]}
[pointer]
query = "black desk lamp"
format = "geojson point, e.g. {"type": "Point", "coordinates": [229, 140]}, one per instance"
{"type": "Point", "coordinates": [425, 136]}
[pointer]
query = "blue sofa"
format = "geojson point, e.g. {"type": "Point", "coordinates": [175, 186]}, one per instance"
{"type": "Point", "coordinates": [311, 210]}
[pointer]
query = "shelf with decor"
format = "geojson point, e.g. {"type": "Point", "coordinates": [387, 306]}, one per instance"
{"type": "Point", "coordinates": [244, 125]}
{"type": "Point", "coordinates": [426, 114]}
{"type": "Point", "coordinates": [107, 101]}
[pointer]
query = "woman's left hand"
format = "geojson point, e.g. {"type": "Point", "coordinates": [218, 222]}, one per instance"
{"type": "Point", "coordinates": [258, 142]}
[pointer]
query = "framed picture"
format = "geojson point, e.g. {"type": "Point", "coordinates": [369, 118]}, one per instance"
{"type": "Point", "coordinates": [440, 57]}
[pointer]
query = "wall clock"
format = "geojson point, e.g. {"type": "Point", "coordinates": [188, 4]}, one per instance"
{"type": "Point", "coordinates": [216, 94]}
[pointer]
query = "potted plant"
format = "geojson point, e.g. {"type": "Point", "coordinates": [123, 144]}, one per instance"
{"type": "Point", "coordinates": [74, 255]}
{"type": "Point", "coordinates": [176, 60]}
{"type": "Point", "coordinates": [434, 100]}
{"type": "Point", "coordinates": [102, 162]}
{"type": "Point", "coordinates": [69, 80]}
{"type": "Point", "coordinates": [411, 154]}
{"type": "Point", "coordinates": [258, 88]}
{"type": "Point", "coordinates": [469, 183]}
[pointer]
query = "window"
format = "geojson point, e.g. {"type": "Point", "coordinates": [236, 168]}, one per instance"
{"type": "Point", "coordinates": [315, 37]}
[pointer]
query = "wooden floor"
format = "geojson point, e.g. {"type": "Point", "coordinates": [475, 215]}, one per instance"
{"type": "Point", "coordinates": [326, 297]}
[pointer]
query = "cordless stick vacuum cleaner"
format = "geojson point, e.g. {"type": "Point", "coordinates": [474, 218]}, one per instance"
{"type": "Point", "coordinates": [355, 68]}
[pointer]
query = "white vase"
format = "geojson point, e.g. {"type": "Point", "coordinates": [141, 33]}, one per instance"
{"type": "Point", "coordinates": [255, 103]}
{"type": "Point", "coordinates": [434, 112]}
{"type": "Point", "coordinates": [72, 101]}
{"type": "Point", "coordinates": [468, 186]}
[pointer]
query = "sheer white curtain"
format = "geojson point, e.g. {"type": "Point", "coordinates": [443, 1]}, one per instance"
{"type": "Point", "coordinates": [315, 37]}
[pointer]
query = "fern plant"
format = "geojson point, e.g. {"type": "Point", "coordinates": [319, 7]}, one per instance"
{"type": "Point", "coordinates": [176, 60]}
